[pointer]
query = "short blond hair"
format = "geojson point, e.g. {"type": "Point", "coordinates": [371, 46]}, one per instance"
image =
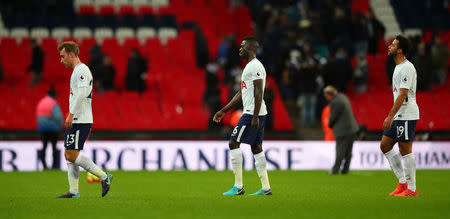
{"type": "Point", "coordinates": [69, 46]}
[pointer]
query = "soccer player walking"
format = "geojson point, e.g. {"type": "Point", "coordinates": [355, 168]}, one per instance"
{"type": "Point", "coordinates": [250, 128]}
{"type": "Point", "coordinates": [79, 121]}
{"type": "Point", "coordinates": [399, 126]}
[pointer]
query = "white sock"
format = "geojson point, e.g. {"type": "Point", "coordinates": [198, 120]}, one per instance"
{"type": "Point", "coordinates": [410, 171]}
{"type": "Point", "coordinates": [90, 166]}
{"type": "Point", "coordinates": [260, 164]}
{"type": "Point", "coordinates": [236, 163]}
{"type": "Point", "coordinates": [73, 173]}
{"type": "Point", "coordinates": [396, 165]}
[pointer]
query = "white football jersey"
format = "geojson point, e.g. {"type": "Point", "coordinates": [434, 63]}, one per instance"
{"type": "Point", "coordinates": [81, 77]}
{"type": "Point", "coordinates": [254, 70]}
{"type": "Point", "coordinates": [405, 76]}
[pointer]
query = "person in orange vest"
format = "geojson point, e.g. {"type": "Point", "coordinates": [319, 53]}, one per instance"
{"type": "Point", "coordinates": [50, 120]}
{"type": "Point", "coordinates": [328, 132]}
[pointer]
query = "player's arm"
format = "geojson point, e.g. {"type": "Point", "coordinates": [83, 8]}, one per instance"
{"type": "Point", "coordinates": [258, 85]}
{"type": "Point", "coordinates": [235, 101]}
{"type": "Point", "coordinates": [397, 104]}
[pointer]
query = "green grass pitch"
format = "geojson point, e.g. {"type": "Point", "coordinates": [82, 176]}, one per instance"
{"type": "Point", "coordinates": [184, 194]}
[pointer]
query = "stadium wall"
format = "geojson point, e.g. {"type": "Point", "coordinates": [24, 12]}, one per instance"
{"type": "Point", "coordinates": [205, 155]}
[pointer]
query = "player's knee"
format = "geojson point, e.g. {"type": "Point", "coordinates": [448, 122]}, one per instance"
{"type": "Point", "coordinates": [256, 149]}
{"type": "Point", "coordinates": [385, 148]}
{"type": "Point", "coordinates": [233, 145]}
{"type": "Point", "coordinates": [404, 150]}
{"type": "Point", "coordinates": [70, 156]}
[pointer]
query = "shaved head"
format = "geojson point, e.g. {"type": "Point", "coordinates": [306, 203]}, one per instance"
{"type": "Point", "coordinates": [329, 92]}
{"type": "Point", "coordinates": [248, 49]}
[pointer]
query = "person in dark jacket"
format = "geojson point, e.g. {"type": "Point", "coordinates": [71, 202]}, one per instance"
{"type": "Point", "coordinates": [49, 119]}
{"type": "Point", "coordinates": [37, 63]}
{"type": "Point", "coordinates": [344, 126]}
{"type": "Point", "coordinates": [136, 72]}
{"type": "Point", "coordinates": [104, 76]}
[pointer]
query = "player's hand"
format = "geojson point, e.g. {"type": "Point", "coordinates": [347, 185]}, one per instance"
{"type": "Point", "coordinates": [388, 123]}
{"type": "Point", "coordinates": [255, 123]}
{"type": "Point", "coordinates": [218, 116]}
{"type": "Point", "coordinates": [68, 122]}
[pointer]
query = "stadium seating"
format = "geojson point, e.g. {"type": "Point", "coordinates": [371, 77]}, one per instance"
{"type": "Point", "coordinates": [163, 35]}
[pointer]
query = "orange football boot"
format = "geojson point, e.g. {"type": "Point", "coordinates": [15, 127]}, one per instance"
{"type": "Point", "coordinates": [400, 188]}
{"type": "Point", "coordinates": [407, 192]}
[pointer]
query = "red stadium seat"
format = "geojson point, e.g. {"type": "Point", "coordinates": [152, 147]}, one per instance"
{"type": "Point", "coordinates": [86, 10]}
{"type": "Point", "coordinates": [126, 9]}
{"type": "Point", "coordinates": [106, 10]}
{"type": "Point", "coordinates": [145, 10]}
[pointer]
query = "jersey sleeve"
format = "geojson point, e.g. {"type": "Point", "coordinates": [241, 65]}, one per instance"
{"type": "Point", "coordinates": [83, 78]}
{"type": "Point", "coordinates": [406, 78]}
{"type": "Point", "coordinates": [257, 73]}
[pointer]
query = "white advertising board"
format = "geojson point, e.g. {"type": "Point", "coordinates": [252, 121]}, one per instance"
{"type": "Point", "coordinates": [204, 155]}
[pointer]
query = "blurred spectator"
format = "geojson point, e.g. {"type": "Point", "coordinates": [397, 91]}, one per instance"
{"type": "Point", "coordinates": [136, 72]}
{"type": "Point", "coordinates": [274, 35]}
{"type": "Point", "coordinates": [49, 119]}
{"type": "Point", "coordinates": [211, 97]}
{"type": "Point", "coordinates": [360, 74]}
{"type": "Point", "coordinates": [96, 58]}
{"type": "Point", "coordinates": [201, 48]}
{"type": "Point", "coordinates": [375, 30]}
{"type": "Point", "coordinates": [222, 51]}
{"type": "Point", "coordinates": [269, 97]}
{"type": "Point", "coordinates": [439, 52]}
{"type": "Point", "coordinates": [308, 88]}
{"type": "Point", "coordinates": [232, 61]}
{"type": "Point", "coordinates": [422, 62]}
{"type": "Point", "coordinates": [104, 76]}
{"type": "Point", "coordinates": [360, 32]}
{"type": "Point", "coordinates": [286, 85]}
{"type": "Point", "coordinates": [338, 71]}
{"type": "Point", "coordinates": [37, 63]}
{"type": "Point", "coordinates": [339, 29]}
{"type": "Point", "coordinates": [262, 19]}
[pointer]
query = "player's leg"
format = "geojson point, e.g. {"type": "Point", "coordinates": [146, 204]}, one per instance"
{"type": "Point", "coordinates": [261, 168]}
{"type": "Point", "coordinates": [44, 137]}
{"type": "Point", "coordinates": [410, 167]}
{"type": "Point", "coordinates": [238, 133]}
{"type": "Point", "coordinates": [255, 138]}
{"type": "Point", "coordinates": [73, 170]}
{"type": "Point", "coordinates": [236, 164]}
{"type": "Point", "coordinates": [387, 147]}
{"type": "Point", "coordinates": [73, 173]}
{"type": "Point", "coordinates": [340, 152]}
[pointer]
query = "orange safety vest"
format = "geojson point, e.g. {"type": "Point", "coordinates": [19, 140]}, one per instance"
{"type": "Point", "coordinates": [328, 132]}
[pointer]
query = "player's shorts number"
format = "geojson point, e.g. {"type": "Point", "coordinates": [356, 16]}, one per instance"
{"type": "Point", "coordinates": [70, 139]}
{"type": "Point", "coordinates": [235, 130]}
{"type": "Point", "coordinates": [400, 130]}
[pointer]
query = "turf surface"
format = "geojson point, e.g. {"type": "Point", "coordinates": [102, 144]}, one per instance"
{"type": "Point", "coordinates": [183, 194]}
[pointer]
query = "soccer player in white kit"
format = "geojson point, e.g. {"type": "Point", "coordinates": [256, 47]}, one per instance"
{"type": "Point", "coordinates": [250, 128]}
{"type": "Point", "coordinates": [79, 121]}
{"type": "Point", "coordinates": [399, 126]}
